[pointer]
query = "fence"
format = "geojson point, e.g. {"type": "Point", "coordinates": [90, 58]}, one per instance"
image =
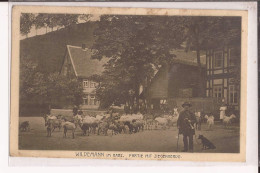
{"type": "Point", "coordinates": [206, 105]}
{"type": "Point", "coordinates": [68, 112]}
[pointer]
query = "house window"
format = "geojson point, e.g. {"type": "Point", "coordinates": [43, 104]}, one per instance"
{"type": "Point", "coordinates": [92, 100]}
{"type": "Point", "coordinates": [85, 84]}
{"type": "Point", "coordinates": [233, 97]}
{"type": "Point", "coordinates": [92, 85]}
{"type": "Point", "coordinates": [85, 101]}
{"type": "Point", "coordinates": [217, 91]}
{"type": "Point", "coordinates": [218, 59]}
{"type": "Point", "coordinates": [234, 56]}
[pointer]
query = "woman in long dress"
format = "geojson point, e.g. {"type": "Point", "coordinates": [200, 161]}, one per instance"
{"type": "Point", "coordinates": [222, 109]}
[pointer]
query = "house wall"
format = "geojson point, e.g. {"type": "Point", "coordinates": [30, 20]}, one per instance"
{"type": "Point", "coordinates": [89, 100]}
{"type": "Point", "coordinates": [89, 91]}
{"type": "Point", "coordinates": [176, 81]}
{"type": "Point", "coordinates": [158, 88]}
{"type": "Point", "coordinates": [222, 79]}
{"type": "Point", "coordinates": [185, 81]}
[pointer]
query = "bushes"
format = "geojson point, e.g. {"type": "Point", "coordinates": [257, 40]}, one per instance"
{"type": "Point", "coordinates": [40, 92]}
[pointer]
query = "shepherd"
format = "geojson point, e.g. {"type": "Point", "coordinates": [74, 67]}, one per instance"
{"type": "Point", "coordinates": [185, 124]}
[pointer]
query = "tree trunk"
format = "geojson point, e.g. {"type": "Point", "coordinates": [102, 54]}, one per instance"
{"type": "Point", "coordinates": [137, 96]}
{"type": "Point", "coordinates": [200, 82]}
{"type": "Point", "coordinates": [198, 57]}
{"type": "Point", "coordinates": [197, 37]}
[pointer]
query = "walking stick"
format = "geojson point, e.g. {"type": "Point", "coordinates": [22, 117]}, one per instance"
{"type": "Point", "coordinates": [196, 140]}
{"type": "Point", "coordinates": [178, 140]}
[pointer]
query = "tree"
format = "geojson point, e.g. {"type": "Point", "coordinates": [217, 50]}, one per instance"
{"type": "Point", "coordinates": [32, 82]}
{"type": "Point", "coordinates": [135, 47]}
{"type": "Point", "coordinates": [64, 91]}
{"type": "Point", "coordinates": [203, 33]}
{"type": "Point", "coordinates": [45, 20]}
{"type": "Point", "coordinates": [53, 89]}
{"type": "Point", "coordinates": [85, 17]}
{"type": "Point", "coordinates": [26, 22]}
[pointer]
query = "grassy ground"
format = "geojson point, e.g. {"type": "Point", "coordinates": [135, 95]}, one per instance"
{"type": "Point", "coordinates": [226, 140]}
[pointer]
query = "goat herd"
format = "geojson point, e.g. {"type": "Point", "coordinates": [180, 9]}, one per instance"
{"type": "Point", "coordinates": [107, 124]}
{"type": "Point", "coordinates": [115, 123]}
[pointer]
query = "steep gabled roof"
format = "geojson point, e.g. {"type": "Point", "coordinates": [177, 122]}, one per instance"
{"type": "Point", "coordinates": [84, 66]}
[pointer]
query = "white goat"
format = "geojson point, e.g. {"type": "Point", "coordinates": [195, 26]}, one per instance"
{"type": "Point", "coordinates": [161, 121]}
{"type": "Point", "coordinates": [138, 116]}
{"type": "Point", "coordinates": [49, 117]}
{"type": "Point", "coordinates": [69, 126]}
{"type": "Point", "coordinates": [100, 117]}
{"type": "Point", "coordinates": [227, 120]}
{"type": "Point", "coordinates": [171, 120]}
{"type": "Point", "coordinates": [126, 118]}
{"type": "Point", "coordinates": [210, 121]}
{"type": "Point", "coordinates": [92, 122]}
{"type": "Point", "coordinates": [175, 112]}
{"type": "Point", "coordinates": [77, 119]}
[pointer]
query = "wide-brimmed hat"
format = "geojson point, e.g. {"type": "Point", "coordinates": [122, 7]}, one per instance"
{"type": "Point", "coordinates": [186, 104]}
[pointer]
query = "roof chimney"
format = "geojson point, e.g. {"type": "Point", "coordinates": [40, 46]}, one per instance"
{"type": "Point", "coordinates": [83, 46]}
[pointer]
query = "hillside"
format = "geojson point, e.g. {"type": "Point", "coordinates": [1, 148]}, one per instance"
{"type": "Point", "coordinates": [49, 49]}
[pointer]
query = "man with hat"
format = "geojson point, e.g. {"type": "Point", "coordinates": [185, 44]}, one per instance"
{"type": "Point", "coordinates": [185, 124]}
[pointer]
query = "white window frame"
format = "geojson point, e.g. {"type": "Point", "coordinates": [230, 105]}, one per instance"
{"type": "Point", "coordinates": [217, 91]}
{"type": "Point", "coordinates": [92, 83]}
{"type": "Point", "coordinates": [219, 66]}
{"type": "Point", "coordinates": [85, 84]}
{"type": "Point", "coordinates": [85, 102]}
{"type": "Point", "coordinates": [232, 93]}
{"type": "Point", "coordinates": [92, 99]}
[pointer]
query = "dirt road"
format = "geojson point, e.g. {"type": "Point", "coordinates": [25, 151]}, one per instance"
{"type": "Point", "coordinates": [226, 140]}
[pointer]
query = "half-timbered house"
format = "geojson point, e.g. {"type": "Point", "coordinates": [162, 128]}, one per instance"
{"type": "Point", "coordinates": [223, 74]}
{"type": "Point", "coordinates": [78, 63]}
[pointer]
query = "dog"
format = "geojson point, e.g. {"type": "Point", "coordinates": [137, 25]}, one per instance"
{"type": "Point", "coordinates": [25, 126]}
{"type": "Point", "coordinates": [206, 144]}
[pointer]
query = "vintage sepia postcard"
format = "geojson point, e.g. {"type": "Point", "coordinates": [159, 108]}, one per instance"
{"type": "Point", "coordinates": [128, 83]}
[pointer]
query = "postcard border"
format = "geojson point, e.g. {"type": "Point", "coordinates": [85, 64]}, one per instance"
{"type": "Point", "coordinates": [16, 10]}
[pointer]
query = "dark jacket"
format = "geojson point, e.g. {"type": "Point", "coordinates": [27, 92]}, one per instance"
{"type": "Point", "coordinates": [186, 122]}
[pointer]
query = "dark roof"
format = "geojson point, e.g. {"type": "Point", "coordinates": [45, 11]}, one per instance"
{"type": "Point", "coordinates": [84, 66]}
{"type": "Point", "coordinates": [189, 58]}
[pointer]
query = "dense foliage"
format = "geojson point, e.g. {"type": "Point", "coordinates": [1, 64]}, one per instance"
{"type": "Point", "coordinates": [137, 46]}
{"type": "Point", "coordinates": [52, 89]}
{"type": "Point", "coordinates": [44, 20]}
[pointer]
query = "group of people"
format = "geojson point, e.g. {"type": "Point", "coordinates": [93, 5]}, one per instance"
{"type": "Point", "coordinates": [134, 109]}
